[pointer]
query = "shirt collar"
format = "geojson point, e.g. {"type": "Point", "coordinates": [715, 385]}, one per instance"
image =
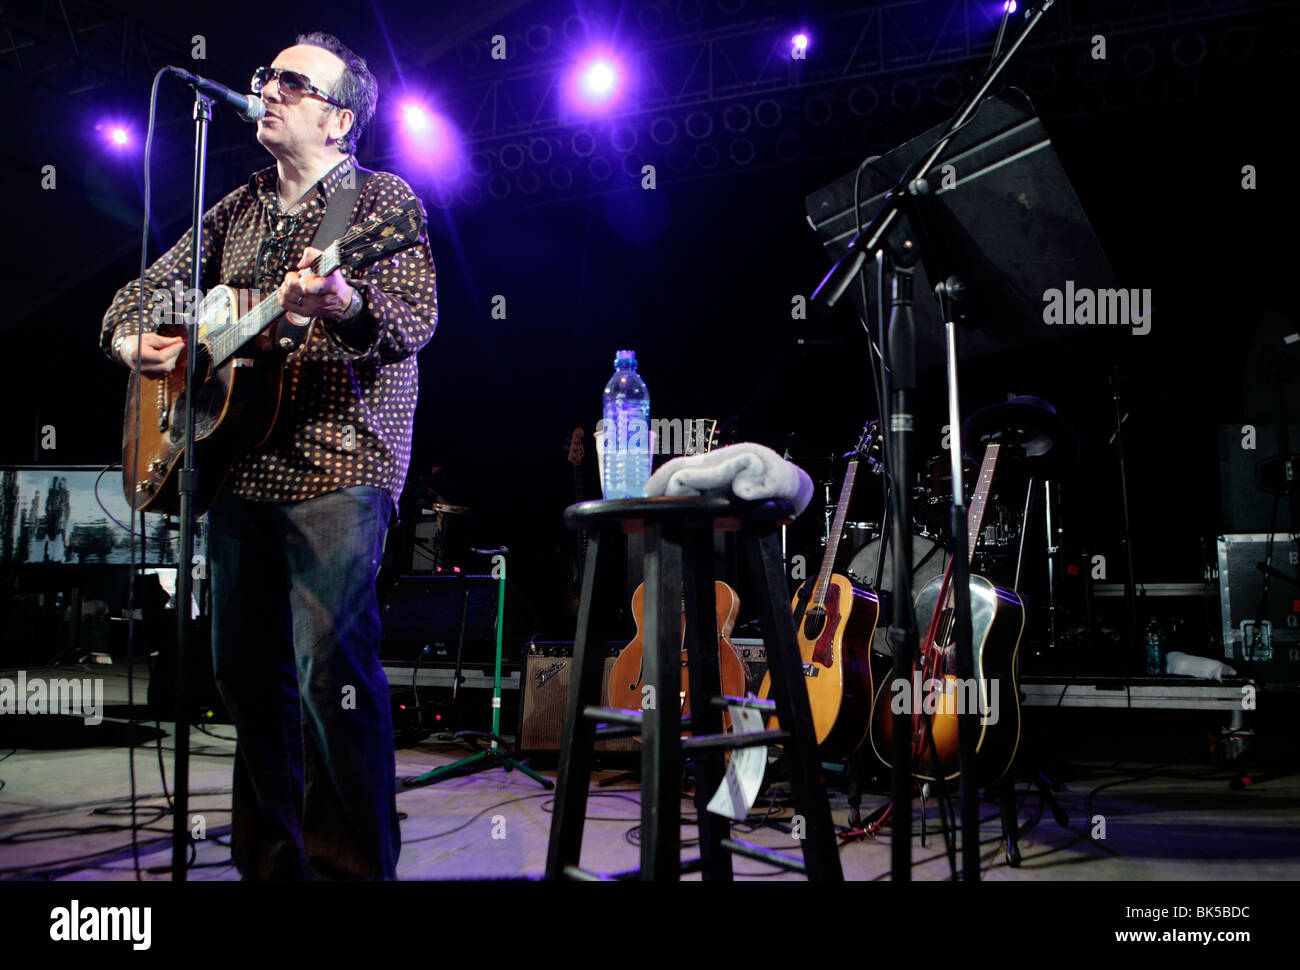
{"type": "Point", "coordinates": [265, 183]}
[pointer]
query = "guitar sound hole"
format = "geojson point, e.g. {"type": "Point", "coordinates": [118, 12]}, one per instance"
{"type": "Point", "coordinates": [814, 621]}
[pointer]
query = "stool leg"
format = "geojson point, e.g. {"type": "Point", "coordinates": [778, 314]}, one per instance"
{"type": "Point", "coordinates": [578, 743]}
{"type": "Point", "coordinates": [704, 667]}
{"type": "Point", "coordinates": [661, 737]}
{"type": "Point", "coordinates": [763, 552]}
{"type": "Point", "coordinates": [1010, 820]}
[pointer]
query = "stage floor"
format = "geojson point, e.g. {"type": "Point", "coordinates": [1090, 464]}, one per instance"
{"type": "Point", "coordinates": [65, 805]}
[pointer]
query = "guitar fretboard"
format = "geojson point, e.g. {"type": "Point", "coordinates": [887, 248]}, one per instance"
{"type": "Point", "coordinates": [837, 530]}
{"type": "Point", "coordinates": [975, 514]}
{"type": "Point", "coordinates": [225, 337]}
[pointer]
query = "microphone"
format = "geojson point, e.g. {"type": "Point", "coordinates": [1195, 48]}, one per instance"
{"type": "Point", "coordinates": [248, 106]}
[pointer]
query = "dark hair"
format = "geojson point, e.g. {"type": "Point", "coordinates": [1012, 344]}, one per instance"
{"type": "Point", "coordinates": [357, 88]}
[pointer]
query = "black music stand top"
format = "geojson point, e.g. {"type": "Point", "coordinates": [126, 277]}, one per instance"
{"type": "Point", "coordinates": [1005, 220]}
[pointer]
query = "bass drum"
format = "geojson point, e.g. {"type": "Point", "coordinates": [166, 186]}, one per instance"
{"type": "Point", "coordinates": [929, 560]}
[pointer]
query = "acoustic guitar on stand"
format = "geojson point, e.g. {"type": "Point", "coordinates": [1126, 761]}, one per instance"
{"type": "Point", "coordinates": [997, 622]}
{"type": "Point", "coordinates": [834, 619]}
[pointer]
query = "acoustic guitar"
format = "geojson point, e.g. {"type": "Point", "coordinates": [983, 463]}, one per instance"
{"type": "Point", "coordinates": [834, 619]}
{"type": "Point", "coordinates": [239, 371]}
{"type": "Point", "coordinates": [997, 622]}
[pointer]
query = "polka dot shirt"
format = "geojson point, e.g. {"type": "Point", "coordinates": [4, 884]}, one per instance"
{"type": "Point", "coordinates": [350, 391]}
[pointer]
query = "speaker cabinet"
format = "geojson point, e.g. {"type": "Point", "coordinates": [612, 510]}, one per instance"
{"type": "Point", "coordinates": [422, 611]}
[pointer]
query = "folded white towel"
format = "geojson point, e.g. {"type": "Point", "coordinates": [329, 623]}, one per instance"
{"type": "Point", "coordinates": [1177, 662]}
{"type": "Point", "coordinates": [751, 471]}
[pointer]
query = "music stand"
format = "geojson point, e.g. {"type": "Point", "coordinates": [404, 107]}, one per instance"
{"type": "Point", "coordinates": [982, 205]}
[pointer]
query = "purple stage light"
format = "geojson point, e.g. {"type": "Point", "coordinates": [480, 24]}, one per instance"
{"type": "Point", "coordinates": [415, 117]}
{"type": "Point", "coordinates": [1009, 6]}
{"type": "Point", "coordinates": [599, 79]}
{"type": "Point", "coordinates": [115, 134]}
{"type": "Point", "coordinates": [800, 42]}
{"type": "Point", "coordinates": [429, 141]}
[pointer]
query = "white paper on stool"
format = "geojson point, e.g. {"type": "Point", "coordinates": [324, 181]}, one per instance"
{"type": "Point", "coordinates": [739, 789]}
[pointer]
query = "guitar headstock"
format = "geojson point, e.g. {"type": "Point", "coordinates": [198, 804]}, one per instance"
{"type": "Point", "coordinates": [701, 436]}
{"type": "Point", "coordinates": [870, 446]}
{"type": "Point", "coordinates": [374, 238]}
{"type": "Point", "coordinates": [576, 454]}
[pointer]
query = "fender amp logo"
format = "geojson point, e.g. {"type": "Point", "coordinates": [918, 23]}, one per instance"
{"type": "Point", "coordinates": [544, 675]}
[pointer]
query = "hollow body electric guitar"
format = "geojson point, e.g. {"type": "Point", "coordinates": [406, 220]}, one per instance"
{"type": "Point", "coordinates": [834, 620]}
{"type": "Point", "coordinates": [238, 374]}
{"type": "Point", "coordinates": [627, 677]}
{"type": "Point", "coordinates": [936, 696]}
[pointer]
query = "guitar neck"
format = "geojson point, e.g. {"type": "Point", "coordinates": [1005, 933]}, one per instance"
{"type": "Point", "coordinates": [224, 341]}
{"type": "Point", "coordinates": [975, 514]}
{"type": "Point", "coordinates": [837, 530]}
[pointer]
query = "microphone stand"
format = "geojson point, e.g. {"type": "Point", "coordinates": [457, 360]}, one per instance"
{"type": "Point", "coordinates": [1130, 579]}
{"type": "Point", "coordinates": [902, 249]}
{"type": "Point", "coordinates": [187, 481]}
{"type": "Point", "coordinates": [498, 754]}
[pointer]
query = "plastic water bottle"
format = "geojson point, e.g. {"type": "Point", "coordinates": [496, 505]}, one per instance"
{"type": "Point", "coordinates": [627, 431]}
{"type": "Point", "coordinates": [1155, 647]}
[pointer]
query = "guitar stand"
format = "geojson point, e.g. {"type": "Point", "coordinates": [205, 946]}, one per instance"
{"type": "Point", "coordinates": [1006, 796]}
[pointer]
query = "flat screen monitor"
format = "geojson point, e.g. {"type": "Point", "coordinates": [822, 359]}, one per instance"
{"type": "Point", "coordinates": [78, 514]}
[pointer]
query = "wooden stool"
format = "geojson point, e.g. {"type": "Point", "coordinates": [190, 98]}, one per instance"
{"type": "Point", "coordinates": [679, 569]}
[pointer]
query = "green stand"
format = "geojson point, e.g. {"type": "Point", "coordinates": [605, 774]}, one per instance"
{"type": "Point", "coordinates": [498, 754]}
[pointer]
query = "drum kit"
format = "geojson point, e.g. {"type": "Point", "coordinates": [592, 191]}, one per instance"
{"type": "Point", "coordinates": [1038, 447]}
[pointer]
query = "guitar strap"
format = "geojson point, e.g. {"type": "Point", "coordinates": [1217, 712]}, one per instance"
{"type": "Point", "coordinates": [338, 216]}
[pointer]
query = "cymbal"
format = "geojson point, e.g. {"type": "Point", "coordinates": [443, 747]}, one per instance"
{"type": "Point", "coordinates": [1029, 425]}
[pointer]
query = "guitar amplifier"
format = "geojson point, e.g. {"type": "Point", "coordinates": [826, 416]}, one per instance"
{"type": "Point", "coordinates": [754, 655]}
{"type": "Point", "coordinates": [1271, 654]}
{"type": "Point", "coordinates": [546, 697]}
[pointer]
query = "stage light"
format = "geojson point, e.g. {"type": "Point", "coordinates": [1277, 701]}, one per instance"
{"type": "Point", "coordinates": [600, 81]}
{"type": "Point", "coordinates": [429, 141]}
{"type": "Point", "coordinates": [599, 78]}
{"type": "Point", "coordinates": [115, 134]}
{"type": "Point", "coordinates": [799, 42]}
{"type": "Point", "coordinates": [415, 117]}
{"type": "Point", "coordinates": [1009, 6]}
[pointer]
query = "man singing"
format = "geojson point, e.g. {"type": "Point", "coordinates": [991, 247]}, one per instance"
{"type": "Point", "coordinates": [296, 537]}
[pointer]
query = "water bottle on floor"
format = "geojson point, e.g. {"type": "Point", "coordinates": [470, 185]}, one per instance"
{"type": "Point", "coordinates": [1155, 647]}
{"type": "Point", "coordinates": [626, 428]}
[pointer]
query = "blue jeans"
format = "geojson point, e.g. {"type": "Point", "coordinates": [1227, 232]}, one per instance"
{"type": "Point", "coordinates": [295, 631]}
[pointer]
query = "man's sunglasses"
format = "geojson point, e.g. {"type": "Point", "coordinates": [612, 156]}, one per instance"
{"type": "Point", "coordinates": [291, 83]}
